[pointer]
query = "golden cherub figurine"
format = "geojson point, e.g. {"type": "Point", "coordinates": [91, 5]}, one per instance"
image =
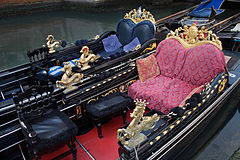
{"type": "Point", "coordinates": [51, 43]}
{"type": "Point", "coordinates": [85, 58]}
{"type": "Point", "coordinates": [69, 78]}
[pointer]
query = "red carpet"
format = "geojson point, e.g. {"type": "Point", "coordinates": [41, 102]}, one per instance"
{"type": "Point", "coordinates": [105, 148]}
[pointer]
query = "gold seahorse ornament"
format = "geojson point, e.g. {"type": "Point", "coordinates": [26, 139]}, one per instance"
{"type": "Point", "coordinates": [132, 136]}
{"type": "Point", "coordinates": [69, 78]}
{"type": "Point", "coordinates": [85, 58]}
{"type": "Point", "coordinates": [52, 43]}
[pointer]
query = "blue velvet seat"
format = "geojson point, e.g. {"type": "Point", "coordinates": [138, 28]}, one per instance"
{"type": "Point", "coordinates": [126, 32]}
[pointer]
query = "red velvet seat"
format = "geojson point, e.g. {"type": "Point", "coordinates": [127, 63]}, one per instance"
{"type": "Point", "coordinates": [182, 70]}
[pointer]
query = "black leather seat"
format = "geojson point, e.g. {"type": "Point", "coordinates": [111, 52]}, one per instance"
{"type": "Point", "coordinates": [44, 127]}
{"type": "Point", "coordinates": [107, 107]}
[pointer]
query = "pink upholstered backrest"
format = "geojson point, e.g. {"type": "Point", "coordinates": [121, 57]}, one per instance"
{"type": "Point", "coordinates": [196, 65]}
{"type": "Point", "coordinates": [202, 64]}
{"type": "Point", "coordinates": [170, 55]}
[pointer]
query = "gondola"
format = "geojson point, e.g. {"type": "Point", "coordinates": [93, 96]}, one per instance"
{"type": "Point", "coordinates": [167, 133]}
{"type": "Point", "coordinates": [154, 135]}
{"type": "Point", "coordinates": [167, 136]}
{"type": "Point", "coordinates": [203, 13]}
{"type": "Point", "coordinates": [208, 14]}
{"type": "Point", "coordinates": [106, 55]}
{"type": "Point", "coordinates": [47, 58]}
{"type": "Point", "coordinates": [228, 31]}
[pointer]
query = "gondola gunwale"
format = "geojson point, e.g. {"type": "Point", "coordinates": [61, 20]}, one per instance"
{"type": "Point", "coordinates": [211, 108]}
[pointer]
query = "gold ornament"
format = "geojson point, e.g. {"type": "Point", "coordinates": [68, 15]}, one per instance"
{"type": "Point", "coordinates": [222, 85]}
{"type": "Point", "coordinates": [139, 15]}
{"type": "Point", "coordinates": [132, 136]}
{"type": "Point", "coordinates": [52, 43]}
{"type": "Point", "coordinates": [69, 78]}
{"type": "Point", "coordinates": [191, 37]}
{"type": "Point", "coordinates": [85, 58]}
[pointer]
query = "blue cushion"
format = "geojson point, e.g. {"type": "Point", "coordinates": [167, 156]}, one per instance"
{"type": "Point", "coordinates": [81, 42]}
{"type": "Point", "coordinates": [124, 31]}
{"type": "Point", "coordinates": [111, 43]}
{"type": "Point", "coordinates": [144, 31]}
{"type": "Point", "coordinates": [54, 71]}
{"type": "Point", "coordinates": [72, 62]}
{"type": "Point", "coordinates": [131, 45]}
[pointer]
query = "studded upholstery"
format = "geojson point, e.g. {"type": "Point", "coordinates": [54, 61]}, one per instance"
{"type": "Point", "coordinates": [181, 70]}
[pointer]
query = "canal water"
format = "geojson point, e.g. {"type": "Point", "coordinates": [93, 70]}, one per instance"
{"type": "Point", "coordinates": [18, 34]}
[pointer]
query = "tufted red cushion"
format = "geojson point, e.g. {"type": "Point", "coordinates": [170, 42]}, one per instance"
{"type": "Point", "coordinates": [182, 70]}
{"type": "Point", "coordinates": [147, 68]}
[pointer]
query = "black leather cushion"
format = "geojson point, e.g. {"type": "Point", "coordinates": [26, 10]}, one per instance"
{"type": "Point", "coordinates": [53, 130]}
{"type": "Point", "coordinates": [144, 31]}
{"type": "Point", "coordinates": [124, 31]}
{"type": "Point", "coordinates": [110, 104]}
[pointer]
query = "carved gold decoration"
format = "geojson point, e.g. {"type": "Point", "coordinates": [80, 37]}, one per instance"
{"type": "Point", "coordinates": [130, 82]}
{"type": "Point", "coordinates": [132, 136]}
{"type": "Point", "coordinates": [222, 85]}
{"type": "Point", "coordinates": [151, 47]}
{"type": "Point", "coordinates": [52, 43]}
{"type": "Point", "coordinates": [92, 100]}
{"type": "Point", "coordinates": [191, 37]}
{"type": "Point", "coordinates": [111, 91]}
{"type": "Point", "coordinates": [139, 15]}
{"type": "Point", "coordinates": [78, 111]}
{"type": "Point", "coordinates": [85, 58]}
{"type": "Point", "coordinates": [69, 78]}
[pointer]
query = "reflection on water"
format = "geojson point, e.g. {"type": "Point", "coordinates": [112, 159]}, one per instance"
{"type": "Point", "coordinates": [225, 142]}
{"type": "Point", "coordinates": [20, 34]}
{"type": "Point", "coordinates": [23, 33]}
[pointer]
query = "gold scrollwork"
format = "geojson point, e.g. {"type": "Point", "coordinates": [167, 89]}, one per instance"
{"type": "Point", "coordinates": [130, 82]}
{"type": "Point", "coordinates": [191, 37]}
{"type": "Point", "coordinates": [111, 91]}
{"type": "Point", "coordinates": [151, 47]}
{"type": "Point", "coordinates": [139, 15]}
{"type": "Point", "coordinates": [222, 85]}
{"type": "Point", "coordinates": [92, 100]}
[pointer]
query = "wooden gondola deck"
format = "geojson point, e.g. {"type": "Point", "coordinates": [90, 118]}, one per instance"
{"type": "Point", "coordinates": [107, 147]}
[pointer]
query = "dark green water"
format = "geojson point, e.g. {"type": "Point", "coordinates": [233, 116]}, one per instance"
{"type": "Point", "coordinates": [19, 34]}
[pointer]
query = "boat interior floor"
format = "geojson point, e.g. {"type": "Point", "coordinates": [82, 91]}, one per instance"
{"type": "Point", "coordinates": [100, 149]}
{"type": "Point", "coordinates": [107, 147]}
